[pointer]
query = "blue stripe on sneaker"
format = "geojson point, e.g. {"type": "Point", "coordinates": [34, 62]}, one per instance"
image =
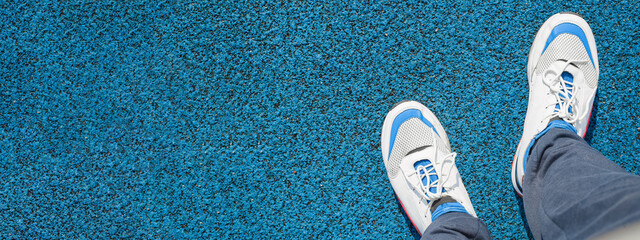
{"type": "Point", "coordinates": [552, 124]}
{"type": "Point", "coordinates": [403, 117]}
{"type": "Point", "coordinates": [447, 208]}
{"type": "Point", "coordinates": [567, 77]}
{"type": "Point", "coordinates": [570, 28]}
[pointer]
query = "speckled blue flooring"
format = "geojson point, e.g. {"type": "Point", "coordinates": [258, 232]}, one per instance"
{"type": "Point", "coordinates": [240, 119]}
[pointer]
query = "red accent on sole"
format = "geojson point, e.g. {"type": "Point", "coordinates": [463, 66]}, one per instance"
{"type": "Point", "coordinates": [405, 212]}
{"type": "Point", "coordinates": [588, 121]}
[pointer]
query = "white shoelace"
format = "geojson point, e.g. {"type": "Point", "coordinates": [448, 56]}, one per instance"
{"type": "Point", "coordinates": [565, 96]}
{"type": "Point", "coordinates": [422, 172]}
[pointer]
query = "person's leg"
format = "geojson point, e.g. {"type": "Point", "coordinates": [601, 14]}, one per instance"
{"type": "Point", "coordinates": [572, 191]}
{"type": "Point", "coordinates": [422, 171]}
{"type": "Point", "coordinates": [456, 225]}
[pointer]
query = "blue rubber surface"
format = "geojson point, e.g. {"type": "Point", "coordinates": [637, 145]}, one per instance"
{"type": "Point", "coordinates": [237, 119]}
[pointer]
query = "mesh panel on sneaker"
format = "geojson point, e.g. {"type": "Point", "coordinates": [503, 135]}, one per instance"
{"type": "Point", "coordinates": [568, 47]}
{"type": "Point", "coordinates": [411, 134]}
{"type": "Point", "coordinates": [442, 146]}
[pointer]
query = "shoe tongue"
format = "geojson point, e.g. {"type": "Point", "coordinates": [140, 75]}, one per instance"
{"type": "Point", "coordinates": [568, 77]}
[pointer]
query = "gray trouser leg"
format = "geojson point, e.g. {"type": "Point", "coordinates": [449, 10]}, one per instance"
{"type": "Point", "coordinates": [456, 225]}
{"type": "Point", "coordinates": [572, 191]}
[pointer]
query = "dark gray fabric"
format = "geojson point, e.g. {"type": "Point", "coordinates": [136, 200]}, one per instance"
{"type": "Point", "coordinates": [572, 191]}
{"type": "Point", "coordinates": [456, 225]}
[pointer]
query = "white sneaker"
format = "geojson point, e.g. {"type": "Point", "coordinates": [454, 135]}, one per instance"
{"type": "Point", "coordinates": [563, 77]}
{"type": "Point", "coordinates": [421, 166]}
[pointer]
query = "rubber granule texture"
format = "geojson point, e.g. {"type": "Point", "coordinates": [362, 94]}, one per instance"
{"type": "Point", "coordinates": [241, 119]}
